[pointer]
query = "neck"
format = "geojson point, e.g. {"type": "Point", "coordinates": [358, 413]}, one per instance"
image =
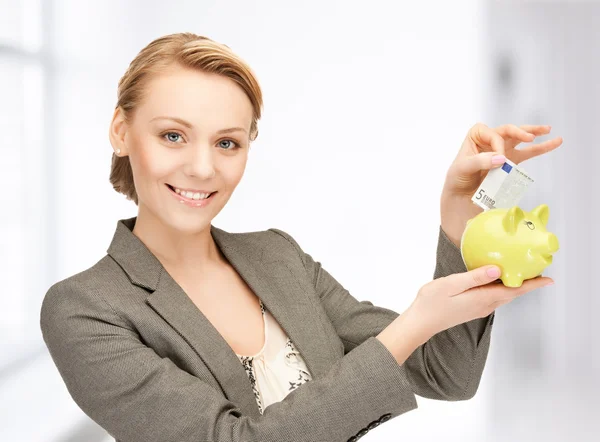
{"type": "Point", "coordinates": [177, 249]}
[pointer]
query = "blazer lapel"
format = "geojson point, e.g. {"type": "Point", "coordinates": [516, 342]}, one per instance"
{"type": "Point", "coordinates": [274, 283]}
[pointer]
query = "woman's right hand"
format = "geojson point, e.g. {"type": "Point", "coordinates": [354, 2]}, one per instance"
{"type": "Point", "coordinates": [461, 297]}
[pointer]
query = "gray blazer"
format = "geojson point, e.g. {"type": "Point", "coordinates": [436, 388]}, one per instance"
{"type": "Point", "coordinates": [142, 361]}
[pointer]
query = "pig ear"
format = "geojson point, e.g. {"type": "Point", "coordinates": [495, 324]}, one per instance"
{"type": "Point", "coordinates": [542, 212]}
{"type": "Point", "coordinates": [512, 219]}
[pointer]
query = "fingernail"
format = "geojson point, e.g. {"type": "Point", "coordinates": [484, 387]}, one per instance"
{"type": "Point", "coordinates": [493, 272]}
{"type": "Point", "coordinates": [550, 283]}
{"type": "Point", "coordinates": [498, 159]}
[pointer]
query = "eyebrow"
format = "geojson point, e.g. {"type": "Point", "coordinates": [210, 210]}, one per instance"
{"type": "Point", "coordinates": [189, 125]}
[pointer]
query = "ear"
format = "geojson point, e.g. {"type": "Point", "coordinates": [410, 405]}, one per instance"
{"type": "Point", "coordinates": [511, 220]}
{"type": "Point", "coordinates": [542, 212]}
{"type": "Point", "coordinates": [117, 131]}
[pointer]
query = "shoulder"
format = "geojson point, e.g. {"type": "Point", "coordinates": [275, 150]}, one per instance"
{"type": "Point", "coordinates": [80, 294]}
{"type": "Point", "coordinates": [273, 244]}
{"type": "Point", "coordinates": [277, 235]}
{"type": "Point", "coordinates": [259, 243]}
{"type": "Point", "coordinates": [103, 272]}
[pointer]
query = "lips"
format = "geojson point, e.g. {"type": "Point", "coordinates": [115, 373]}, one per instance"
{"type": "Point", "coordinates": [190, 202]}
{"type": "Point", "coordinates": [173, 189]}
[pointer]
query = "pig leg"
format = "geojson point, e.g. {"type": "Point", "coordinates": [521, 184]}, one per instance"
{"type": "Point", "coordinates": [512, 279]}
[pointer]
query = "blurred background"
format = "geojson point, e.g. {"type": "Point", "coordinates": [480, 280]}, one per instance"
{"type": "Point", "coordinates": [372, 100]}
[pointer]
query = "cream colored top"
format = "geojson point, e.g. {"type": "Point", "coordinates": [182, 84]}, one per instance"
{"type": "Point", "coordinates": [277, 369]}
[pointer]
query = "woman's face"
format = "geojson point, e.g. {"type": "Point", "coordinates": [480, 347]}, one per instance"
{"type": "Point", "coordinates": [190, 134]}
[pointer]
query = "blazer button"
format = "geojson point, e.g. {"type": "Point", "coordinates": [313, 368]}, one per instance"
{"type": "Point", "coordinates": [352, 439]}
{"type": "Point", "coordinates": [362, 432]}
{"type": "Point", "coordinates": [386, 417]}
{"type": "Point", "coordinates": [373, 425]}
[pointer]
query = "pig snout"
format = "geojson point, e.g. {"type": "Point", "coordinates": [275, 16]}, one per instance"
{"type": "Point", "coordinates": [552, 243]}
{"type": "Point", "coordinates": [546, 245]}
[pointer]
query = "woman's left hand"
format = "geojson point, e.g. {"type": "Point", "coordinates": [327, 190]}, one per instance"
{"type": "Point", "coordinates": [483, 149]}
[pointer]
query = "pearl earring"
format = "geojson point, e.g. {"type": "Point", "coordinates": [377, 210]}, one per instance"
{"type": "Point", "coordinates": [118, 151]}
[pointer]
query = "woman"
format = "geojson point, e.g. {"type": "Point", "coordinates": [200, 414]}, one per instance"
{"type": "Point", "coordinates": [186, 332]}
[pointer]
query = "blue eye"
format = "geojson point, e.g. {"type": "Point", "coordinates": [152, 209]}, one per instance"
{"type": "Point", "coordinates": [170, 139]}
{"type": "Point", "coordinates": [225, 141]}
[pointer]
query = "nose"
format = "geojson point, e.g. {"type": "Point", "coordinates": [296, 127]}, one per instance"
{"type": "Point", "coordinates": [552, 243]}
{"type": "Point", "coordinates": [200, 163]}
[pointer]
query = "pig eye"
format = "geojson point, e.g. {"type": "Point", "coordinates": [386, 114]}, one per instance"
{"type": "Point", "coordinates": [530, 225]}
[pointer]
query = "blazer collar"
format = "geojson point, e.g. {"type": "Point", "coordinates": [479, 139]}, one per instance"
{"type": "Point", "coordinates": [274, 283]}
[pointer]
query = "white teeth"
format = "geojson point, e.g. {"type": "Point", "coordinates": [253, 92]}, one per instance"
{"type": "Point", "coordinates": [192, 195]}
{"type": "Point", "coordinates": [200, 196]}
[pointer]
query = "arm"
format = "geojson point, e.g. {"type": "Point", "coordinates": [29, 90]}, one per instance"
{"type": "Point", "coordinates": [446, 367]}
{"type": "Point", "coordinates": [137, 396]}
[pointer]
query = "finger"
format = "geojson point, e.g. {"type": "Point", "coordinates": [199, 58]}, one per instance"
{"type": "Point", "coordinates": [536, 129]}
{"type": "Point", "coordinates": [513, 135]}
{"type": "Point", "coordinates": [514, 132]}
{"type": "Point", "coordinates": [476, 163]}
{"type": "Point", "coordinates": [460, 282]}
{"type": "Point", "coordinates": [485, 136]}
{"type": "Point", "coordinates": [536, 150]}
{"type": "Point", "coordinates": [503, 293]}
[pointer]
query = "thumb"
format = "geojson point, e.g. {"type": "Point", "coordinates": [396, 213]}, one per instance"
{"type": "Point", "coordinates": [479, 162]}
{"type": "Point", "coordinates": [474, 278]}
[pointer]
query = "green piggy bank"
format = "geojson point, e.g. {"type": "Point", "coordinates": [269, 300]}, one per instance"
{"type": "Point", "coordinates": [512, 239]}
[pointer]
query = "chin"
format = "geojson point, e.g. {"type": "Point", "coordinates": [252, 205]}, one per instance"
{"type": "Point", "coordinates": [189, 221]}
{"type": "Point", "coordinates": [187, 224]}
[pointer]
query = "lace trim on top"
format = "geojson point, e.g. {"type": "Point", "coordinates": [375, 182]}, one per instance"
{"type": "Point", "coordinates": [291, 359]}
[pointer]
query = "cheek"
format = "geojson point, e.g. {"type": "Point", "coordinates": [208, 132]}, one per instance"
{"type": "Point", "coordinates": [234, 171]}
{"type": "Point", "coordinates": [150, 162]}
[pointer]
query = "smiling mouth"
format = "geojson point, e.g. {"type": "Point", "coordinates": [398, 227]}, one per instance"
{"type": "Point", "coordinates": [185, 196]}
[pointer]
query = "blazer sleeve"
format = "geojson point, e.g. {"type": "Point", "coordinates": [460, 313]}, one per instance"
{"type": "Point", "coordinates": [138, 396]}
{"type": "Point", "coordinates": [448, 366]}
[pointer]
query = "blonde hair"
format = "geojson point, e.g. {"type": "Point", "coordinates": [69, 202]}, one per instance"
{"type": "Point", "coordinates": [186, 50]}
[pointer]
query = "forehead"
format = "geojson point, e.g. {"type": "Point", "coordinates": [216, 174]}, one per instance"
{"type": "Point", "coordinates": [198, 97]}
